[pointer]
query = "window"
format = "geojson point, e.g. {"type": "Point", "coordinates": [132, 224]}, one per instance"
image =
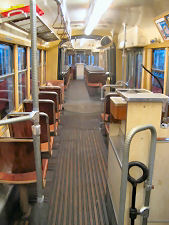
{"type": "Point", "coordinates": [6, 80]}
{"type": "Point", "coordinates": [80, 57]}
{"type": "Point", "coordinates": [70, 60]}
{"type": "Point", "coordinates": [158, 69]}
{"type": "Point", "coordinates": [96, 59]}
{"type": "Point", "coordinates": [22, 73]}
{"type": "Point", "coordinates": [92, 60]}
{"type": "Point", "coordinates": [89, 60]}
{"type": "Point", "coordinates": [139, 59]}
{"type": "Point", "coordinates": [133, 68]}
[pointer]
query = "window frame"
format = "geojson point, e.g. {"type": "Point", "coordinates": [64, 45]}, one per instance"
{"type": "Point", "coordinates": [10, 75]}
{"type": "Point", "coordinates": [22, 71]}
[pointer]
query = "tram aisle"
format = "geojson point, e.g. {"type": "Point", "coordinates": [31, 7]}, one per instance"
{"type": "Point", "coordinates": [77, 187]}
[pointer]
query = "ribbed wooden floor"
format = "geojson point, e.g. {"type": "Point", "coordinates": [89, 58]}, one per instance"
{"type": "Point", "coordinates": [79, 181]}
{"type": "Point", "coordinates": [76, 179]}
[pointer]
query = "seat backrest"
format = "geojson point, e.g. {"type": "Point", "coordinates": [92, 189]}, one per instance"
{"type": "Point", "coordinates": [16, 155]}
{"type": "Point", "coordinates": [107, 102]}
{"type": "Point", "coordinates": [50, 96]}
{"type": "Point", "coordinates": [95, 77]}
{"type": "Point", "coordinates": [17, 161]}
{"type": "Point", "coordinates": [56, 89]}
{"type": "Point", "coordinates": [24, 129]}
{"type": "Point", "coordinates": [46, 106]}
{"type": "Point", "coordinates": [59, 83]}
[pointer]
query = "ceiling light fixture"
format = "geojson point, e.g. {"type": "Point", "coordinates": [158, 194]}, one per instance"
{"type": "Point", "coordinates": [99, 8]}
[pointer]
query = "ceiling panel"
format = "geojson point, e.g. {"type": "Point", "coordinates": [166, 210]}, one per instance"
{"type": "Point", "coordinates": [132, 12]}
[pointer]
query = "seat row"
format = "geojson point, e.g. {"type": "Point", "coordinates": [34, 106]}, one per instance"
{"type": "Point", "coordinates": [95, 77]}
{"type": "Point", "coordinates": [17, 162]}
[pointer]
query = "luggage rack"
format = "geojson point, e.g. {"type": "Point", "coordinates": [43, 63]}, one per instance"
{"type": "Point", "coordinates": [22, 22]}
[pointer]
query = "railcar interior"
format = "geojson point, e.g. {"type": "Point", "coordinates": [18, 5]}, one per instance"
{"type": "Point", "coordinates": [84, 112]}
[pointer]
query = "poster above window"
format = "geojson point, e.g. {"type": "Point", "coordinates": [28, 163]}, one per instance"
{"type": "Point", "coordinates": [162, 24]}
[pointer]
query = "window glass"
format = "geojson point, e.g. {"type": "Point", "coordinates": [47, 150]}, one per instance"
{"type": "Point", "coordinates": [38, 57]}
{"type": "Point", "coordinates": [92, 60]}
{"type": "Point", "coordinates": [133, 68]}
{"type": "Point", "coordinates": [89, 60]}
{"type": "Point", "coordinates": [139, 59]}
{"type": "Point", "coordinates": [70, 60]}
{"type": "Point", "coordinates": [21, 74]}
{"type": "Point", "coordinates": [80, 57]}
{"type": "Point", "coordinates": [6, 80]}
{"type": "Point", "coordinates": [158, 69]}
{"type": "Point", "coordinates": [130, 78]}
{"type": "Point", "coordinates": [96, 59]}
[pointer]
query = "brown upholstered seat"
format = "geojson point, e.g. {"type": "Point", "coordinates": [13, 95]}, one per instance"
{"type": "Point", "coordinates": [24, 130]}
{"type": "Point", "coordinates": [95, 78]}
{"type": "Point", "coordinates": [56, 89]}
{"type": "Point", "coordinates": [67, 78]}
{"type": "Point", "coordinates": [59, 83]}
{"type": "Point", "coordinates": [17, 162]}
{"type": "Point", "coordinates": [51, 96]}
{"type": "Point", "coordinates": [107, 106]}
{"type": "Point", "coordinates": [46, 106]}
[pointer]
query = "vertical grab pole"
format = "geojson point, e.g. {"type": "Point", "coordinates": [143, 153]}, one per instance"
{"type": "Point", "coordinates": [35, 91]}
{"type": "Point", "coordinates": [124, 52]}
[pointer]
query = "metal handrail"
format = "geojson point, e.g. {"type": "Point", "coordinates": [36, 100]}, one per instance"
{"type": "Point", "coordinates": [28, 113]}
{"type": "Point", "coordinates": [17, 11]}
{"type": "Point", "coordinates": [30, 116]}
{"type": "Point", "coordinates": [36, 126]}
{"type": "Point", "coordinates": [148, 185]}
{"type": "Point", "coordinates": [105, 86]}
{"type": "Point", "coordinates": [53, 93]}
{"type": "Point", "coordinates": [22, 71]}
{"type": "Point", "coordinates": [7, 75]}
{"type": "Point", "coordinates": [119, 84]}
{"type": "Point", "coordinates": [54, 111]}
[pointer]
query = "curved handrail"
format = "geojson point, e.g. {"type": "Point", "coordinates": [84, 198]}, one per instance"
{"type": "Point", "coordinates": [28, 116]}
{"type": "Point", "coordinates": [110, 85]}
{"type": "Point", "coordinates": [17, 11]}
{"type": "Point", "coordinates": [123, 187]}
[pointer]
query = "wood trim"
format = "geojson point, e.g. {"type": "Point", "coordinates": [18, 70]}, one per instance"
{"type": "Point", "coordinates": [166, 70]}
{"type": "Point", "coordinates": [9, 139]}
{"type": "Point", "coordinates": [24, 178]}
{"type": "Point", "coordinates": [12, 39]}
{"type": "Point", "coordinates": [16, 94]}
{"type": "Point", "coordinates": [158, 45]}
{"type": "Point", "coordinates": [161, 16]}
{"type": "Point", "coordinates": [20, 108]}
{"type": "Point", "coordinates": [163, 139]}
{"type": "Point", "coordinates": [149, 67]}
{"type": "Point", "coordinates": [28, 72]}
{"type": "Point", "coordinates": [143, 80]}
